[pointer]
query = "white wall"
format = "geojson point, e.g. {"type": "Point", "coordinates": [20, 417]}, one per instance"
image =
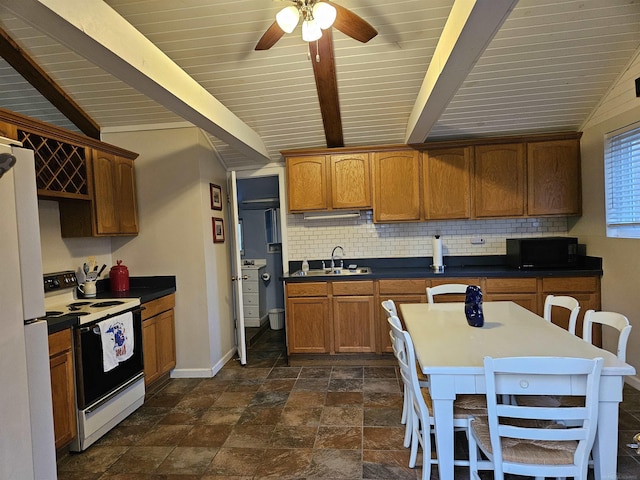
{"type": "Point", "coordinates": [621, 257]}
{"type": "Point", "coordinates": [173, 172]}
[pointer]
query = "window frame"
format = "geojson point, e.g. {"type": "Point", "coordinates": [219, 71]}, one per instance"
{"type": "Point", "coordinates": [621, 192]}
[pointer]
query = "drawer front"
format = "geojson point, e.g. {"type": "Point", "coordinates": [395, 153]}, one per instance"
{"type": "Point", "coordinates": [251, 299]}
{"type": "Point", "coordinates": [364, 287]}
{"type": "Point", "coordinates": [59, 342]}
{"type": "Point", "coordinates": [250, 287]}
{"type": "Point", "coordinates": [465, 280]}
{"type": "Point", "coordinates": [570, 284]}
{"type": "Point", "coordinates": [307, 289]}
{"type": "Point", "coordinates": [162, 304]}
{"type": "Point", "coordinates": [511, 285]}
{"type": "Point", "coordinates": [251, 312]}
{"type": "Point", "coordinates": [410, 286]}
{"type": "Point", "coordinates": [252, 274]}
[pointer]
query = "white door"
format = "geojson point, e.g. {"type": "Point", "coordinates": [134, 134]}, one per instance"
{"type": "Point", "coordinates": [236, 269]}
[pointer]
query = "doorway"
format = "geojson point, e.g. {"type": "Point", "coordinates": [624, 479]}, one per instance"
{"type": "Point", "coordinates": [258, 200]}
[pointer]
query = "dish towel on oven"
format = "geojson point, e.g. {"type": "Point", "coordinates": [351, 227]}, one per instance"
{"type": "Point", "coordinates": [116, 334]}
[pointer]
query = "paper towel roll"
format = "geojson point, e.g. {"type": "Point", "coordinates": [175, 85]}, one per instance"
{"type": "Point", "coordinates": [437, 251]}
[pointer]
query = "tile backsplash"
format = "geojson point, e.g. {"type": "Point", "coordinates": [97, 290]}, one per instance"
{"type": "Point", "coordinates": [361, 238]}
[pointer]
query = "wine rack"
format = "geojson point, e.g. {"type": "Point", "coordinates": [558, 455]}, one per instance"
{"type": "Point", "coordinates": [61, 167]}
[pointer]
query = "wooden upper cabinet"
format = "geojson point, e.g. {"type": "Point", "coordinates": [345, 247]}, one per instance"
{"type": "Point", "coordinates": [350, 181]}
{"type": "Point", "coordinates": [328, 182]}
{"type": "Point", "coordinates": [114, 195]}
{"type": "Point", "coordinates": [104, 191]}
{"type": "Point", "coordinates": [396, 186]}
{"type": "Point", "coordinates": [554, 178]}
{"type": "Point", "coordinates": [307, 183]}
{"type": "Point", "coordinates": [126, 195]}
{"type": "Point", "coordinates": [446, 183]}
{"type": "Point", "coordinates": [499, 180]}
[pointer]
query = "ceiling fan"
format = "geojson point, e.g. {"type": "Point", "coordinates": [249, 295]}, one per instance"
{"type": "Point", "coordinates": [317, 19]}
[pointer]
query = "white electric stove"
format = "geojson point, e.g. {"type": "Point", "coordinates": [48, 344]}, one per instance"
{"type": "Point", "coordinates": [62, 299]}
{"type": "Point", "coordinates": [104, 396]}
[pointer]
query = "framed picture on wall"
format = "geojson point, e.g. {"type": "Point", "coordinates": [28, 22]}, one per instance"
{"type": "Point", "coordinates": [216, 196]}
{"type": "Point", "coordinates": [218, 230]}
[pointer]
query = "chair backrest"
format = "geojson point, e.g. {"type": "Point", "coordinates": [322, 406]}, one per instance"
{"type": "Point", "coordinates": [563, 301]}
{"type": "Point", "coordinates": [615, 320]}
{"type": "Point", "coordinates": [407, 361]}
{"type": "Point", "coordinates": [395, 332]}
{"type": "Point", "coordinates": [445, 288]}
{"type": "Point", "coordinates": [520, 376]}
{"type": "Point", "coordinates": [390, 308]}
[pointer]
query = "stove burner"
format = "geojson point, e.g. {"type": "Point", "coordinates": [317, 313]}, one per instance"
{"type": "Point", "coordinates": [73, 308]}
{"type": "Point", "coordinates": [52, 313]}
{"type": "Point", "coordinates": [76, 305]}
{"type": "Point", "coordinates": [109, 303]}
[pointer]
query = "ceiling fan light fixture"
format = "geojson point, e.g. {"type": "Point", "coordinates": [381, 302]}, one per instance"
{"type": "Point", "coordinates": [324, 14]}
{"type": "Point", "coordinates": [311, 31]}
{"type": "Point", "coordinates": [288, 18]}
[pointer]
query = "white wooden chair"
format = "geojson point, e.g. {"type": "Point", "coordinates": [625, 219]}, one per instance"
{"type": "Point", "coordinates": [391, 311]}
{"type": "Point", "coordinates": [562, 301]}
{"type": "Point", "coordinates": [612, 319]}
{"type": "Point", "coordinates": [399, 353]}
{"type": "Point", "coordinates": [527, 440]}
{"type": "Point", "coordinates": [421, 410]}
{"type": "Point", "coordinates": [445, 288]}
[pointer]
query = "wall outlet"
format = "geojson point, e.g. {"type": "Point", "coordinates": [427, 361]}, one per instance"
{"type": "Point", "coordinates": [477, 240]}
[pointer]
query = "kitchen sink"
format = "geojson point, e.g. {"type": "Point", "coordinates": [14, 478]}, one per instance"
{"type": "Point", "coordinates": [336, 272]}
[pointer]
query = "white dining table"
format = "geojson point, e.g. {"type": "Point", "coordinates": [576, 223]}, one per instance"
{"type": "Point", "coordinates": [451, 353]}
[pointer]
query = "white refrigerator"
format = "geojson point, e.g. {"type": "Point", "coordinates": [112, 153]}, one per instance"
{"type": "Point", "coordinates": [27, 443]}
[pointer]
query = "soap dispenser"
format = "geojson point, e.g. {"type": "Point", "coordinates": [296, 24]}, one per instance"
{"type": "Point", "coordinates": [305, 265]}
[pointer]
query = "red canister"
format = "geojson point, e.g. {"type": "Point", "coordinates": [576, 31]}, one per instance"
{"type": "Point", "coordinates": [119, 277]}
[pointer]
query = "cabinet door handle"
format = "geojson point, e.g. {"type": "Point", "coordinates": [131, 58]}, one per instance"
{"type": "Point", "coordinates": [243, 277]}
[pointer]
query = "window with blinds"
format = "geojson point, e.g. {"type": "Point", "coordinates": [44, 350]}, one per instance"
{"type": "Point", "coordinates": [622, 182]}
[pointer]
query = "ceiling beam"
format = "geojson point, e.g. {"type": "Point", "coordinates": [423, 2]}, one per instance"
{"type": "Point", "coordinates": [97, 32]}
{"type": "Point", "coordinates": [324, 71]}
{"type": "Point", "coordinates": [43, 83]}
{"type": "Point", "coordinates": [471, 26]}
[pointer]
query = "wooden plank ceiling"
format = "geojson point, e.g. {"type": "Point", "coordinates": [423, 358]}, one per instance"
{"type": "Point", "coordinates": [545, 70]}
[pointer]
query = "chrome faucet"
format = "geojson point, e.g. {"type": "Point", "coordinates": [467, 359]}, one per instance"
{"type": "Point", "coordinates": [334, 256]}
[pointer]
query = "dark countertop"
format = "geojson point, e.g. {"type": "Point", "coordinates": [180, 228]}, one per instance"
{"type": "Point", "coordinates": [463, 266]}
{"type": "Point", "coordinates": [144, 288]}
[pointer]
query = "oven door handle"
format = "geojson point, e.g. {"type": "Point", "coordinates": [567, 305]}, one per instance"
{"type": "Point", "coordinates": [95, 328]}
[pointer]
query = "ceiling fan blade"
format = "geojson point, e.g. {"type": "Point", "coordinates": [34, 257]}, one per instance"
{"type": "Point", "coordinates": [351, 24]}
{"type": "Point", "coordinates": [327, 87]}
{"type": "Point", "coordinates": [270, 37]}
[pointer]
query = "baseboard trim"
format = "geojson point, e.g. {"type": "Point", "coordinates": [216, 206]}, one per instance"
{"type": "Point", "coordinates": [203, 372]}
{"type": "Point", "coordinates": [633, 381]}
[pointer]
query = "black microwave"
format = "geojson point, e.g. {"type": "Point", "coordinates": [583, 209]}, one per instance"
{"type": "Point", "coordinates": [542, 252]}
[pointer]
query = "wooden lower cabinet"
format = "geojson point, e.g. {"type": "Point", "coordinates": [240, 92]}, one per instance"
{"type": "Point", "coordinates": [347, 316]}
{"type": "Point", "coordinates": [523, 291]}
{"type": "Point", "coordinates": [354, 326]}
{"type": "Point", "coordinates": [62, 387]}
{"type": "Point", "coordinates": [158, 338]}
{"type": "Point", "coordinates": [308, 318]}
{"type": "Point", "coordinates": [308, 325]}
{"type": "Point", "coordinates": [584, 289]}
{"type": "Point", "coordinates": [400, 291]}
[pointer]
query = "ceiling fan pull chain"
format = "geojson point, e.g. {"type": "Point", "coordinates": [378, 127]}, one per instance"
{"type": "Point", "coordinates": [317, 52]}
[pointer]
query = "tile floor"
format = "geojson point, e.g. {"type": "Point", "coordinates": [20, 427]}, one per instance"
{"type": "Point", "coordinates": [270, 420]}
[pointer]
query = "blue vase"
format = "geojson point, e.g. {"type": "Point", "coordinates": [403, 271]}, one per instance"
{"type": "Point", "coordinates": [473, 306]}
